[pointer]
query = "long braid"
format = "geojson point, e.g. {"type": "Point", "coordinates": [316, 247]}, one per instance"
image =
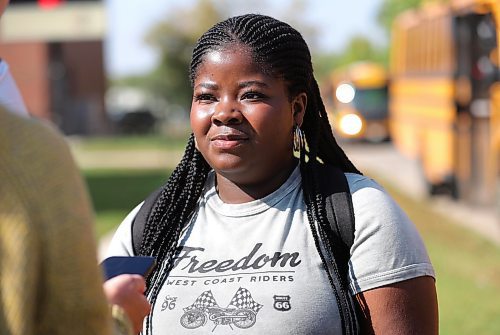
{"type": "Point", "coordinates": [282, 52]}
{"type": "Point", "coordinates": [170, 213]}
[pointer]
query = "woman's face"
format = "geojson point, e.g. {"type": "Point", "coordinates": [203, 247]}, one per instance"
{"type": "Point", "coordinates": [242, 118]}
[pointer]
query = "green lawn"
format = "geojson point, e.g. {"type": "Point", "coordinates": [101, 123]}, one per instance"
{"type": "Point", "coordinates": [467, 269]}
{"type": "Point", "coordinates": [116, 192]}
{"type": "Point", "coordinates": [467, 266]}
{"type": "Point", "coordinates": [132, 142]}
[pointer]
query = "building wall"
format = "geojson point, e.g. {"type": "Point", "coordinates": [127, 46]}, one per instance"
{"type": "Point", "coordinates": [28, 65]}
{"type": "Point", "coordinates": [84, 82]}
{"type": "Point", "coordinates": [63, 82]}
{"type": "Point", "coordinates": [56, 56]}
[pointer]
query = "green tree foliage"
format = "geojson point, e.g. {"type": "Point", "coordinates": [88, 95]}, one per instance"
{"type": "Point", "coordinates": [360, 48]}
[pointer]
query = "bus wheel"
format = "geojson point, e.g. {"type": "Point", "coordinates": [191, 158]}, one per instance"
{"type": "Point", "coordinates": [453, 187]}
{"type": "Point", "coordinates": [448, 187]}
{"type": "Point", "coordinates": [433, 189]}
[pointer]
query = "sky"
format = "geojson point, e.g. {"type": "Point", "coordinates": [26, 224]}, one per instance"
{"type": "Point", "coordinates": [126, 53]}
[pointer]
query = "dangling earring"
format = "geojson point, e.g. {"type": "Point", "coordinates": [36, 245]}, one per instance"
{"type": "Point", "coordinates": [196, 144]}
{"type": "Point", "coordinates": [298, 138]}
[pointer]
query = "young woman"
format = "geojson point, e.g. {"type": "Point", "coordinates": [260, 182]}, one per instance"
{"type": "Point", "coordinates": [237, 227]}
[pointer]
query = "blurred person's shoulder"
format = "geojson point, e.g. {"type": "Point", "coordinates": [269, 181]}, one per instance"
{"type": "Point", "coordinates": [33, 147]}
{"type": "Point", "coordinates": [18, 133]}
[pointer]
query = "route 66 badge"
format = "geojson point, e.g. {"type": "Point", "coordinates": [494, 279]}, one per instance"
{"type": "Point", "coordinates": [282, 303]}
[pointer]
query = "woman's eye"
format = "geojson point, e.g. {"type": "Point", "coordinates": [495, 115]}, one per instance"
{"type": "Point", "coordinates": [204, 97]}
{"type": "Point", "coordinates": [253, 96]}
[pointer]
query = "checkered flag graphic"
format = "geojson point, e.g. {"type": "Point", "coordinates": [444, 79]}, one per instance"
{"type": "Point", "coordinates": [206, 299]}
{"type": "Point", "coordinates": [243, 299]}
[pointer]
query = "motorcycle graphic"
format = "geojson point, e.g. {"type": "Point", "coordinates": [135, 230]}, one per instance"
{"type": "Point", "coordinates": [241, 311]}
{"type": "Point", "coordinates": [241, 318]}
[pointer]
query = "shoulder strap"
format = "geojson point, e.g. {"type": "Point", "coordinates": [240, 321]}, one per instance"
{"type": "Point", "coordinates": [339, 209]}
{"type": "Point", "coordinates": [340, 216]}
{"type": "Point", "coordinates": [141, 218]}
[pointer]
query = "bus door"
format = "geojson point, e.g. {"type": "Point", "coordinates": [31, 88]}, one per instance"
{"type": "Point", "coordinates": [476, 72]}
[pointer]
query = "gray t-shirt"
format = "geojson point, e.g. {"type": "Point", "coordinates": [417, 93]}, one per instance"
{"type": "Point", "coordinates": [254, 268]}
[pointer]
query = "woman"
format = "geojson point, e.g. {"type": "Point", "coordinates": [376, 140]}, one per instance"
{"type": "Point", "coordinates": [235, 228]}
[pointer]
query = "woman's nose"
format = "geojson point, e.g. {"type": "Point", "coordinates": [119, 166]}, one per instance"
{"type": "Point", "coordinates": [227, 112]}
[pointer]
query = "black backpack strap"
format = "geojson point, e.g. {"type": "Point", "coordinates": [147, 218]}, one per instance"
{"type": "Point", "coordinates": [139, 221]}
{"type": "Point", "coordinates": [339, 209]}
{"type": "Point", "coordinates": [340, 216]}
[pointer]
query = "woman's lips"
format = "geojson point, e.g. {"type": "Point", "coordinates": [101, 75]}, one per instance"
{"type": "Point", "coordinates": [228, 141]}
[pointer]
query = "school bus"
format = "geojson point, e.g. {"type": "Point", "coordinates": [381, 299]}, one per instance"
{"type": "Point", "coordinates": [356, 101]}
{"type": "Point", "coordinates": [445, 96]}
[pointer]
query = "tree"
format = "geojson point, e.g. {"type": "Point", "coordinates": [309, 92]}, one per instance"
{"type": "Point", "coordinates": [360, 48]}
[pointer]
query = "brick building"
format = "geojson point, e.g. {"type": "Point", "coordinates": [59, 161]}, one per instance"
{"type": "Point", "coordinates": [54, 49]}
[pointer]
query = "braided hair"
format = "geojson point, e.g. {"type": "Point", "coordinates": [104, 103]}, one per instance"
{"type": "Point", "coordinates": [282, 52]}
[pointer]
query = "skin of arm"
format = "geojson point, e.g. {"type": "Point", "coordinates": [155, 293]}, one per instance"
{"type": "Point", "coordinates": [404, 308]}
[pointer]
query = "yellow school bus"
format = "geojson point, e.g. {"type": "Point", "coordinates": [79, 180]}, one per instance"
{"type": "Point", "coordinates": [445, 95]}
{"type": "Point", "coordinates": [356, 101]}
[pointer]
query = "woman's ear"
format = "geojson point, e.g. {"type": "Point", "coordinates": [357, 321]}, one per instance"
{"type": "Point", "coordinates": [299, 105]}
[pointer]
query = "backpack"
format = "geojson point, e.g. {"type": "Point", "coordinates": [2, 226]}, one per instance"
{"type": "Point", "coordinates": [340, 215]}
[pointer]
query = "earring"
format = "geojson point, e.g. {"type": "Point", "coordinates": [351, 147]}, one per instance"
{"type": "Point", "coordinates": [298, 138]}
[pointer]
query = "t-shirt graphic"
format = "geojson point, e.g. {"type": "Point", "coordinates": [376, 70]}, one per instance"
{"type": "Point", "coordinates": [201, 278]}
{"type": "Point", "coordinates": [241, 311]}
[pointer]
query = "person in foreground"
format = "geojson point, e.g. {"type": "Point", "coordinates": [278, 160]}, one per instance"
{"type": "Point", "coordinates": [239, 229]}
{"type": "Point", "coordinates": [50, 282]}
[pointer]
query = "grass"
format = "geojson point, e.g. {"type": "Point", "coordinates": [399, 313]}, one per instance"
{"type": "Point", "coordinates": [467, 269]}
{"type": "Point", "coordinates": [131, 142]}
{"type": "Point", "coordinates": [114, 193]}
